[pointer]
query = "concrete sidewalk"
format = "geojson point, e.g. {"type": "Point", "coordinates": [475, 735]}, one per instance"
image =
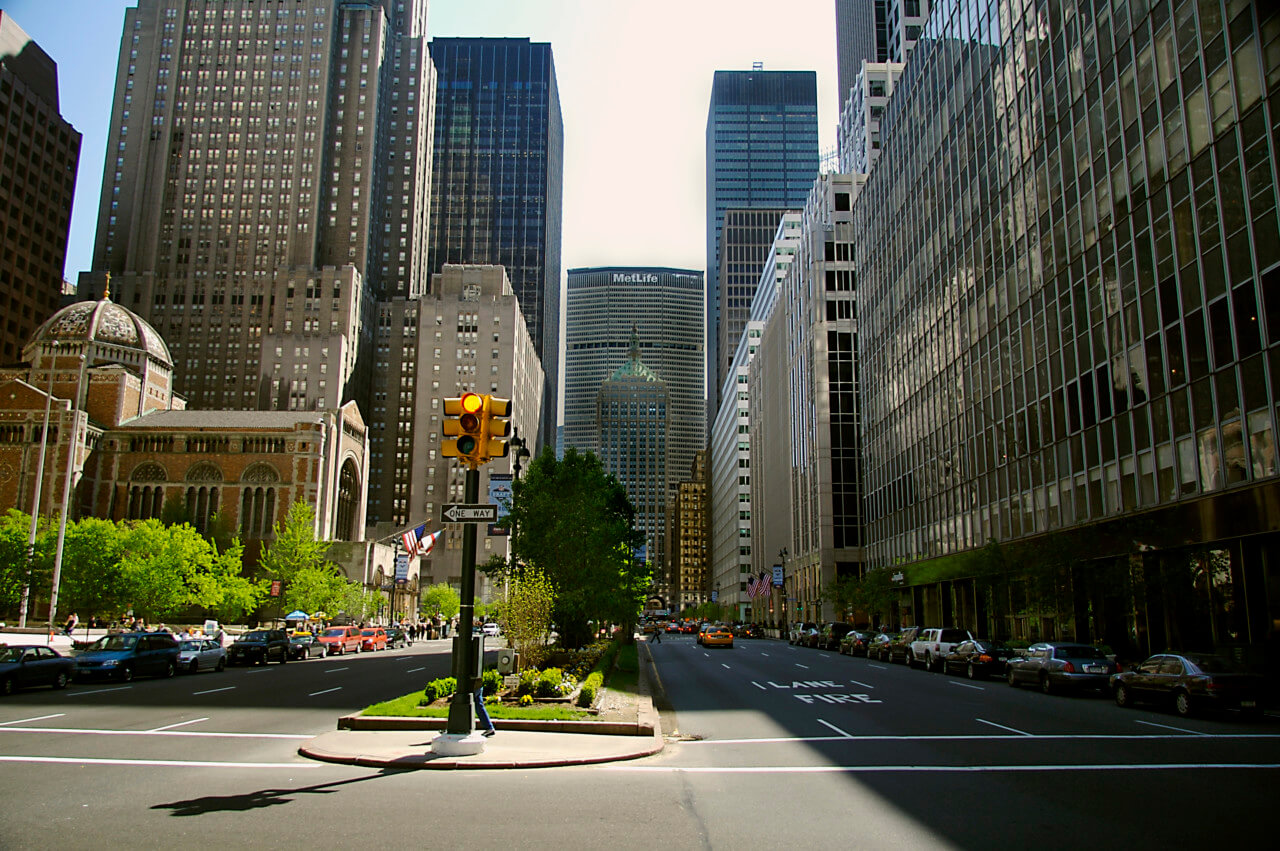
{"type": "Point", "coordinates": [633, 731]}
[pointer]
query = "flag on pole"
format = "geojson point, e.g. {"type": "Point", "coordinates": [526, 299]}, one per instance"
{"type": "Point", "coordinates": [417, 545]}
{"type": "Point", "coordinates": [751, 586]}
{"type": "Point", "coordinates": [758, 586]}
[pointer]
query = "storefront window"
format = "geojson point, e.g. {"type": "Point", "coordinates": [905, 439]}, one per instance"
{"type": "Point", "coordinates": [1233, 452]}
{"type": "Point", "coordinates": [1262, 449]}
{"type": "Point", "coordinates": [1210, 459]}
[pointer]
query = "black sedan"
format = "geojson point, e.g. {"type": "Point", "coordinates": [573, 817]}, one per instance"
{"type": "Point", "coordinates": [1054, 666]}
{"type": "Point", "coordinates": [855, 643]}
{"type": "Point", "coordinates": [878, 646]}
{"type": "Point", "coordinates": [25, 665]}
{"type": "Point", "coordinates": [1190, 682]}
{"type": "Point", "coordinates": [304, 645]}
{"type": "Point", "coordinates": [978, 659]}
{"type": "Point", "coordinates": [396, 637]}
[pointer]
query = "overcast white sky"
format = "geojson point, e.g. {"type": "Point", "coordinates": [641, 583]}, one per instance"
{"type": "Point", "coordinates": [635, 79]}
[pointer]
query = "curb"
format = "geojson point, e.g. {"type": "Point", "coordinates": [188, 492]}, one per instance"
{"type": "Point", "coordinates": [427, 761]}
{"type": "Point", "coordinates": [642, 727]}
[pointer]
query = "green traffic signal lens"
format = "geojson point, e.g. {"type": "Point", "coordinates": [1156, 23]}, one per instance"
{"type": "Point", "coordinates": [466, 444]}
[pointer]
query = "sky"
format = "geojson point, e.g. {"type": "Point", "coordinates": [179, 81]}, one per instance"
{"type": "Point", "coordinates": [635, 85]}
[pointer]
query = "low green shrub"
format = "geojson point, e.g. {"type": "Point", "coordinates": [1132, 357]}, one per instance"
{"type": "Point", "coordinates": [549, 683]}
{"type": "Point", "coordinates": [437, 689]}
{"type": "Point", "coordinates": [492, 681]}
{"type": "Point", "coordinates": [587, 694]}
{"type": "Point", "coordinates": [528, 681]}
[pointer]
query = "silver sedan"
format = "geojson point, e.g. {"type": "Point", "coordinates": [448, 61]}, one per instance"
{"type": "Point", "coordinates": [201, 654]}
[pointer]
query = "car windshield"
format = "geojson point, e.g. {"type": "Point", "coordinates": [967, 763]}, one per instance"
{"type": "Point", "coordinates": [115, 642]}
{"type": "Point", "coordinates": [1214, 665]}
{"type": "Point", "coordinates": [254, 636]}
{"type": "Point", "coordinates": [191, 645]}
{"type": "Point", "coordinates": [1078, 651]}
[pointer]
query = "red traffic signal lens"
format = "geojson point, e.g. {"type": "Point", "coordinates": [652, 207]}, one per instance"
{"type": "Point", "coordinates": [469, 422]}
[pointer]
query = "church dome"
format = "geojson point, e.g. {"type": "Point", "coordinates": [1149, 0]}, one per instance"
{"type": "Point", "coordinates": [106, 323]}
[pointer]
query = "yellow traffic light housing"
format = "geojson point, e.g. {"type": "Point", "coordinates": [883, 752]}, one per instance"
{"type": "Point", "coordinates": [469, 438]}
{"type": "Point", "coordinates": [497, 426]}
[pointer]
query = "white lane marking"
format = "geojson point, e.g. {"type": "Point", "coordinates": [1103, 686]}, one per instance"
{"type": "Point", "coordinates": [864, 685]}
{"type": "Point", "coordinates": [877, 667]}
{"type": "Point", "coordinates": [798, 665]}
{"type": "Point", "coordinates": [411, 670]}
{"type": "Point", "coordinates": [179, 724]}
{"type": "Point", "coordinates": [837, 729]}
{"type": "Point", "coordinates": [66, 760]}
{"type": "Point", "coordinates": [86, 731]}
{"type": "Point", "coordinates": [708, 655]}
{"type": "Point", "coordinates": [753, 682]}
{"type": "Point", "coordinates": [334, 670]}
{"type": "Point", "coordinates": [940, 769]}
{"type": "Point", "coordinates": [1002, 727]}
{"type": "Point", "coordinates": [1167, 727]}
{"type": "Point", "coordinates": [326, 691]}
{"type": "Point", "coordinates": [258, 671]}
{"type": "Point", "coordinates": [96, 691]}
{"type": "Point", "coordinates": [37, 718]}
{"type": "Point", "coordinates": [723, 665]}
{"type": "Point", "coordinates": [966, 685]}
{"type": "Point", "coordinates": [212, 690]}
{"type": "Point", "coordinates": [1026, 737]}
{"type": "Point", "coordinates": [764, 654]}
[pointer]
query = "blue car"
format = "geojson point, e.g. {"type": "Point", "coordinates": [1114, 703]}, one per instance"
{"type": "Point", "coordinates": [23, 665]}
{"type": "Point", "coordinates": [126, 655]}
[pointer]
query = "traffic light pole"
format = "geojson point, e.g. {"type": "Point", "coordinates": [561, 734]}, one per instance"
{"type": "Point", "coordinates": [462, 716]}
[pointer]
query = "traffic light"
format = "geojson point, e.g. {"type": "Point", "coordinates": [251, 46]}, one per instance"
{"type": "Point", "coordinates": [468, 430]}
{"type": "Point", "coordinates": [497, 426]}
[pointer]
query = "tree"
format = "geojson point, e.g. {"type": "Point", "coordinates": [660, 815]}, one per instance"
{"type": "Point", "coordinates": [578, 527]}
{"type": "Point", "coordinates": [440, 599]}
{"type": "Point", "coordinates": [526, 616]}
{"type": "Point", "coordinates": [15, 528]}
{"type": "Point", "coordinates": [92, 580]}
{"type": "Point", "coordinates": [294, 546]}
{"type": "Point", "coordinates": [315, 589]}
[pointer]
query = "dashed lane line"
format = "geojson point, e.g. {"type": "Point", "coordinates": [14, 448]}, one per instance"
{"type": "Point", "coordinates": [877, 667]}
{"type": "Point", "coordinates": [212, 690]}
{"type": "Point", "coordinates": [413, 670]}
{"type": "Point", "coordinates": [335, 670]}
{"type": "Point", "coordinates": [757, 685]}
{"type": "Point", "coordinates": [966, 685]}
{"type": "Point", "coordinates": [1167, 727]}
{"type": "Point", "coordinates": [97, 691]}
{"type": "Point", "coordinates": [723, 665]}
{"type": "Point", "coordinates": [326, 691]}
{"type": "Point", "coordinates": [764, 654]}
{"type": "Point", "coordinates": [864, 685]}
{"type": "Point", "coordinates": [798, 665]}
{"type": "Point", "coordinates": [179, 724]}
{"type": "Point", "coordinates": [1002, 727]}
{"type": "Point", "coordinates": [37, 718]}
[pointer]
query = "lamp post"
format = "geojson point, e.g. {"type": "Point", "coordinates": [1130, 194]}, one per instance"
{"type": "Point", "coordinates": [72, 440]}
{"type": "Point", "coordinates": [782, 625]}
{"type": "Point", "coordinates": [35, 497]}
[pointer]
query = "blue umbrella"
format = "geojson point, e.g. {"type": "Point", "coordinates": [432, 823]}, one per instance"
{"type": "Point", "coordinates": [298, 615]}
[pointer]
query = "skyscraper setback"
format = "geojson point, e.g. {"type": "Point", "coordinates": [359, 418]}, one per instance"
{"type": "Point", "coordinates": [762, 152]}
{"type": "Point", "coordinates": [499, 164]}
{"type": "Point", "coordinates": [266, 182]}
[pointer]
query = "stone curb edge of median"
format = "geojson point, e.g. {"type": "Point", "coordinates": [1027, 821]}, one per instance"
{"type": "Point", "coordinates": [646, 724]}
{"type": "Point", "coordinates": [426, 762]}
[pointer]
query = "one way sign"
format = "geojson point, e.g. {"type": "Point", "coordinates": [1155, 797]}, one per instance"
{"type": "Point", "coordinates": [454, 513]}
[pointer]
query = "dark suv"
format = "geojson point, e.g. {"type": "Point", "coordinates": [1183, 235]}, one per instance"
{"type": "Point", "coordinates": [829, 637]}
{"type": "Point", "coordinates": [259, 647]}
{"type": "Point", "coordinates": [899, 650]}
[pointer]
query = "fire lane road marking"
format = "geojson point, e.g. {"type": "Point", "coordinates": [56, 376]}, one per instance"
{"type": "Point", "coordinates": [753, 682]}
{"type": "Point", "coordinates": [837, 729]}
{"type": "Point", "coordinates": [864, 685]}
{"type": "Point", "coordinates": [1002, 727]}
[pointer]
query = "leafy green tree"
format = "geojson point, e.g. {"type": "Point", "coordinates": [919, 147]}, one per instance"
{"type": "Point", "coordinates": [240, 594]}
{"type": "Point", "coordinates": [165, 571]}
{"type": "Point", "coordinates": [440, 599]}
{"type": "Point", "coordinates": [92, 581]}
{"type": "Point", "coordinates": [294, 546]}
{"type": "Point", "coordinates": [526, 616]}
{"type": "Point", "coordinates": [15, 528]}
{"type": "Point", "coordinates": [578, 527]}
{"type": "Point", "coordinates": [315, 589]}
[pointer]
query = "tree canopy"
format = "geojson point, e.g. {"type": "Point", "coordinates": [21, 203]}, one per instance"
{"type": "Point", "coordinates": [574, 522]}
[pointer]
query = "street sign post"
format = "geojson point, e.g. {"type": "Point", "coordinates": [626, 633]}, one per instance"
{"type": "Point", "coordinates": [468, 513]}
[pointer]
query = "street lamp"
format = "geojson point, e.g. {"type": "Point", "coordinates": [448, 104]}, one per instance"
{"type": "Point", "coordinates": [35, 498]}
{"type": "Point", "coordinates": [66, 496]}
{"type": "Point", "coordinates": [782, 626]}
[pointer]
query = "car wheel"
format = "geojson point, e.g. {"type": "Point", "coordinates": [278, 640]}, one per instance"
{"type": "Point", "coordinates": [284, 657]}
{"type": "Point", "coordinates": [61, 680]}
{"type": "Point", "coordinates": [1046, 685]}
{"type": "Point", "coordinates": [928, 662]}
{"type": "Point", "coordinates": [222, 664]}
{"type": "Point", "coordinates": [194, 667]}
{"type": "Point", "coordinates": [970, 672]}
{"type": "Point", "coordinates": [1182, 703]}
{"type": "Point", "coordinates": [1123, 698]}
{"type": "Point", "coordinates": [1013, 680]}
{"type": "Point", "coordinates": [6, 686]}
{"type": "Point", "coordinates": [126, 674]}
{"type": "Point", "coordinates": [170, 669]}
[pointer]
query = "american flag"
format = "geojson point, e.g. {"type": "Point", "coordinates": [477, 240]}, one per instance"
{"type": "Point", "coordinates": [417, 545]}
{"type": "Point", "coordinates": [752, 582]}
{"type": "Point", "coordinates": [764, 585]}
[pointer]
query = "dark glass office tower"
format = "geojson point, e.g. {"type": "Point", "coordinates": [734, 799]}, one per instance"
{"type": "Point", "coordinates": [497, 186]}
{"type": "Point", "coordinates": [762, 151]}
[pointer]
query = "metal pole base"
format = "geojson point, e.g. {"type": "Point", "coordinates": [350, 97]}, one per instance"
{"type": "Point", "coordinates": [456, 744]}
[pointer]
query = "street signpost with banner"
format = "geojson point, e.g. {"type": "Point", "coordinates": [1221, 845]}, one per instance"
{"type": "Point", "coordinates": [500, 497]}
{"type": "Point", "coordinates": [402, 568]}
{"type": "Point", "coordinates": [777, 576]}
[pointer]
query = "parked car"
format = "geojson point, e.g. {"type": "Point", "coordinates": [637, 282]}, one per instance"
{"type": "Point", "coordinates": [339, 640]}
{"type": "Point", "coordinates": [931, 646]}
{"type": "Point", "coordinates": [878, 647]}
{"type": "Point", "coordinates": [258, 647]}
{"type": "Point", "coordinates": [396, 638]}
{"type": "Point", "coordinates": [900, 648]}
{"type": "Point", "coordinates": [1055, 665]}
{"type": "Point", "coordinates": [673, 627]}
{"type": "Point", "coordinates": [1190, 682]}
{"type": "Point", "coordinates": [304, 645]}
{"type": "Point", "coordinates": [830, 634]}
{"type": "Point", "coordinates": [26, 665]}
{"type": "Point", "coordinates": [978, 658]}
{"type": "Point", "coordinates": [717, 635]}
{"type": "Point", "coordinates": [855, 643]}
{"type": "Point", "coordinates": [201, 654]}
{"type": "Point", "coordinates": [125, 655]}
{"type": "Point", "coordinates": [491, 629]}
{"type": "Point", "coordinates": [798, 631]}
{"type": "Point", "coordinates": [752, 630]}
{"type": "Point", "coordinates": [373, 639]}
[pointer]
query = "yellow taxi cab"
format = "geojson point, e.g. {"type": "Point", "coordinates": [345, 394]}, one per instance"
{"type": "Point", "coordinates": [718, 635]}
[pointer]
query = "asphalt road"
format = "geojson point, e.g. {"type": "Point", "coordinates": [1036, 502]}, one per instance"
{"type": "Point", "coordinates": [769, 746]}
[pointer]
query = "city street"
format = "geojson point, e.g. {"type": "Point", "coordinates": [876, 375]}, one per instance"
{"type": "Point", "coordinates": [768, 745]}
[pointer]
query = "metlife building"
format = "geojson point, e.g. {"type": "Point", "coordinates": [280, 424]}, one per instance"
{"type": "Point", "coordinates": [665, 307]}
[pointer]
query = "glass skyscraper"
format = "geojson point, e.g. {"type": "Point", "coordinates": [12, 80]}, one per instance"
{"type": "Point", "coordinates": [1068, 277]}
{"type": "Point", "coordinates": [498, 179]}
{"type": "Point", "coordinates": [762, 152]}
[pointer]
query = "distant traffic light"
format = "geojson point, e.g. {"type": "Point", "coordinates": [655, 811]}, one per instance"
{"type": "Point", "coordinates": [468, 430]}
{"type": "Point", "coordinates": [497, 426]}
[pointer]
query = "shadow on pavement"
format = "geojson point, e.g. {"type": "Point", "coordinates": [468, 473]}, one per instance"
{"type": "Point", "coordinates": [259, 799]}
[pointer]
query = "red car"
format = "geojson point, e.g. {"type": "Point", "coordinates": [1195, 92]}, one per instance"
{"type": "Point", "coordinates": [339, 640]}
{"type": "Point", "coordinates": [373, 638]}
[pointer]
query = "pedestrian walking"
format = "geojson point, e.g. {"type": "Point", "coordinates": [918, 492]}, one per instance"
{"type": "Point", "coordinates": [70, 625]}
{"type": "Point", "coordinates": [482, 714]}
{"type": "Point", "coordinates": [657, 635]}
